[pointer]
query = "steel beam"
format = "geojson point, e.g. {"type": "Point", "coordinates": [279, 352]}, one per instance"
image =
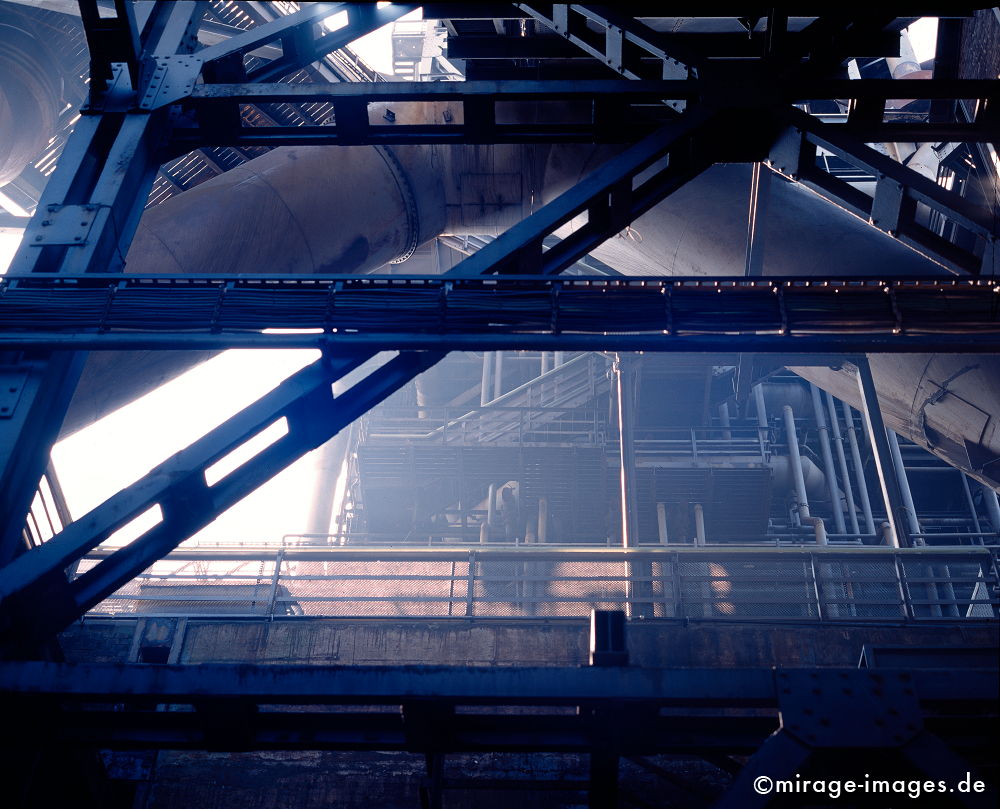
{"type": "Point", "coordinates": [179, 487]}
{"type": "Point", "coordinates": [891, 491]}
{"type": "Point", "coordinates": [83, 224]}
{"type": "Point", "coordinates": [116, 312]}
{"type": "Point", "coordinates": [898, 190]}
{"type": "Point", "coordinates": [621, 43]}
{"type": "Point", "coordinates": [300, 46]}
{"type": "Point", "coordinates": [388, 685]}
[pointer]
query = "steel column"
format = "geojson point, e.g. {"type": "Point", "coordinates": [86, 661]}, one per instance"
{"type": "Point", "coordinates": [838, 442]}
{"type": "Point", "coordinates": [891, 493]}
{"type": "Point", "coordinates": [828, 468]}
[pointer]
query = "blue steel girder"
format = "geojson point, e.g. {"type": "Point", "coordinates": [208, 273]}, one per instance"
{"type": "Point", "coordinates": [35, 599]}
{"type": "Point", "coordinates": [618, 111]}
{"type": "Point", "coordinates": [175, 79]}
{"type": "Point", "coordinates": [898, 190]}
{"type": "Point", "coordinates": [654, 313]}
{"type": "Point", "coordinates": [84, 223]}
{"type": "Point", "coordinates": [620, 44]}
{"type": "Point", "coordinates": [91, 207]}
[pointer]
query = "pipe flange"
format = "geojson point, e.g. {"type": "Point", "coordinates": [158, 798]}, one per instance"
{"type": "Point", "coordinates": [409, 203]}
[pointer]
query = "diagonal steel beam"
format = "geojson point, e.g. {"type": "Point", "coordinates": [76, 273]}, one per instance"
{"type": "Point", "coordinates": [623, 41]}
{"type": "Point", "coordinates": [898, 190]}
{"type": "Point", "coordinates": [83, 224]}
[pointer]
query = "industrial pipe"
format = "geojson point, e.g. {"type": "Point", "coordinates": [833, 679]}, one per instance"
{"type": "Point", "coordinates": [971, 504]}
{"type": "Point", "coordinates": [761, 408]}
{"type": "Point", "coordinates": [992, 506]}
{"type": "Point", "coordinates": [838, 443]}
{"type": "Point", "coordinates": [819, 527]}
{"type": "Point", "coordinates": [661, 523]}
{"type": "Point", "coordinates": [724, 421]}
{"type": "Point", "coordinates": [827, 455]}
{"type": "Point", "coordinates": [802, 500]}
{"type": "Point", "coordinates": [913, 524]}
{"type": "Point", "coordinates": [859, 469]}
{"type": "Point", "coordinates": [31, 93]}
{"type": "Point", "coordinates": [699, 525]}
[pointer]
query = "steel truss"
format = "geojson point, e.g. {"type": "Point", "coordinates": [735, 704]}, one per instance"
{"type": "Point", "coordinates": [153, 95]}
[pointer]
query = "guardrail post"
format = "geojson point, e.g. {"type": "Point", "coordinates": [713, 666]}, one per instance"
{"type": "Point", "coordinates": [271, 605]}
{"type": "Point", "coordinates": [470, 586]}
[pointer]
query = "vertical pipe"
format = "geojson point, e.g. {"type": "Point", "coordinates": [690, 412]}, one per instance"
{"type": "Point", "coordinates": [760, 194]}
{"type": "Point", "coordinates": [661, 523]}
{"type": "Point", "coordinates": [891, 493]}
{"type": "Point", "coordinates": [913, 524]}
{"type": "Point", "coordinates": [558, 358]}
{"type": "Point", "coordinates": [635, 588]}
{"type": "Point", "coordinates": [796, 461]}
{"type": "Point", "coordinates": [546, 362]}
{"type": "Point", "coordinates": [972, 508]}
{"type": "Point", "coordinates": [624, 380]}
{"type": "Point", "coordinates": [992, 506]}
{"type": "Point", "coordinates": [486, 394]}
{"type": "Point", "coordinates": [331, 461]}
{"type": "Point", "coordinates": [828, 468]}
{"type": "Point", "coordinates": [724, 421]}
{"type": "Point", "coordinates": [838, 444]}
{"type": "Point", "coordinates": [859, 470]}
{"type": "Point", "coordinates": [543, 520]}
{"type": "Point", "coordinates": [491, 508]}
{"type": "Point", "coordinates": [819, 527]}
{"type": "Point", "coordinates": [699, 525]}
{"type": "Point", "coordinates": [758, 400]}
{"type": "Point", "coordinates": [498, 377]}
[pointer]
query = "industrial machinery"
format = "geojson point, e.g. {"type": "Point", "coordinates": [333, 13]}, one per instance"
{"type": "Point", "coordinates": [686, 326]}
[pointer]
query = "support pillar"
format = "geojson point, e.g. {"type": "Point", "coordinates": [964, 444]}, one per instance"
{"type": "Point", "coordinates": [758, 400]}
{"type": "Point", "coordinates": [891, 493]}
{"type": "Point", "coordinates": [795, 459]}
{"type": "Point", "coordinates": [912, 523]}
{"type": "Point", "coordinates": [661, 523]}
{"type": "Point", "coordinates": [699, 525]}
{"type": "Point", "coordinates": [625, 395]}
{"type": "Point", "coordinates": [724, 421]}
{"type": "Point", "coordinates": [838, 444]}
{"type": "Point", "coordinates": [760, 195]}
{"type": "Point", "coordinates": [859, 470]}
{"type": "Point", "coordinates": [498, 376]}
{"type": "Point", "coordinates": [992, 506]}
{"type": "Point", "coordinates": [828, 467]}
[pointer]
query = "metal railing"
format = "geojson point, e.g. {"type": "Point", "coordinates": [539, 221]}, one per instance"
{"type": "Point", "coordinates": [778, 584]}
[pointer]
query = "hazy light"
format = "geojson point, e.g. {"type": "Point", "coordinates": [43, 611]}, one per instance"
{"type": "Point", "coordinates": [923, 38]}
{"type": "Point", "coordinates": [9, 241]}
{"type": "Point", "coordinates": [107, 456]}
{"type": "Point", "coordinates": [336, 21]}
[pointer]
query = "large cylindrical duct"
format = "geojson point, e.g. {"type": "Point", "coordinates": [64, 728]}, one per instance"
{"type": "Point", "coordinates": [31, 92]}
{"type": "Point", "coordinates": [313, 209]}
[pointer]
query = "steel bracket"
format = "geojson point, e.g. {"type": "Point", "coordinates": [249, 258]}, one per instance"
{"type": "Point", "coordinates": [839, 709]}
{"type": "Point", "coordinates": [11, 385]}
{"type": "Point", "coordinates": [65, 225]}
{"type": "Point", "coordinates": [171, 79]}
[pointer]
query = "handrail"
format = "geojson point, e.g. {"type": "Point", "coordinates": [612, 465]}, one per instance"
{"type": "Point", "coordinates": [817, 584]}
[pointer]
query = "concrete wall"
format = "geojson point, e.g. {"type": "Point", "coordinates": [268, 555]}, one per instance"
{"type": "Point", "coordinates": [491, 642]}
